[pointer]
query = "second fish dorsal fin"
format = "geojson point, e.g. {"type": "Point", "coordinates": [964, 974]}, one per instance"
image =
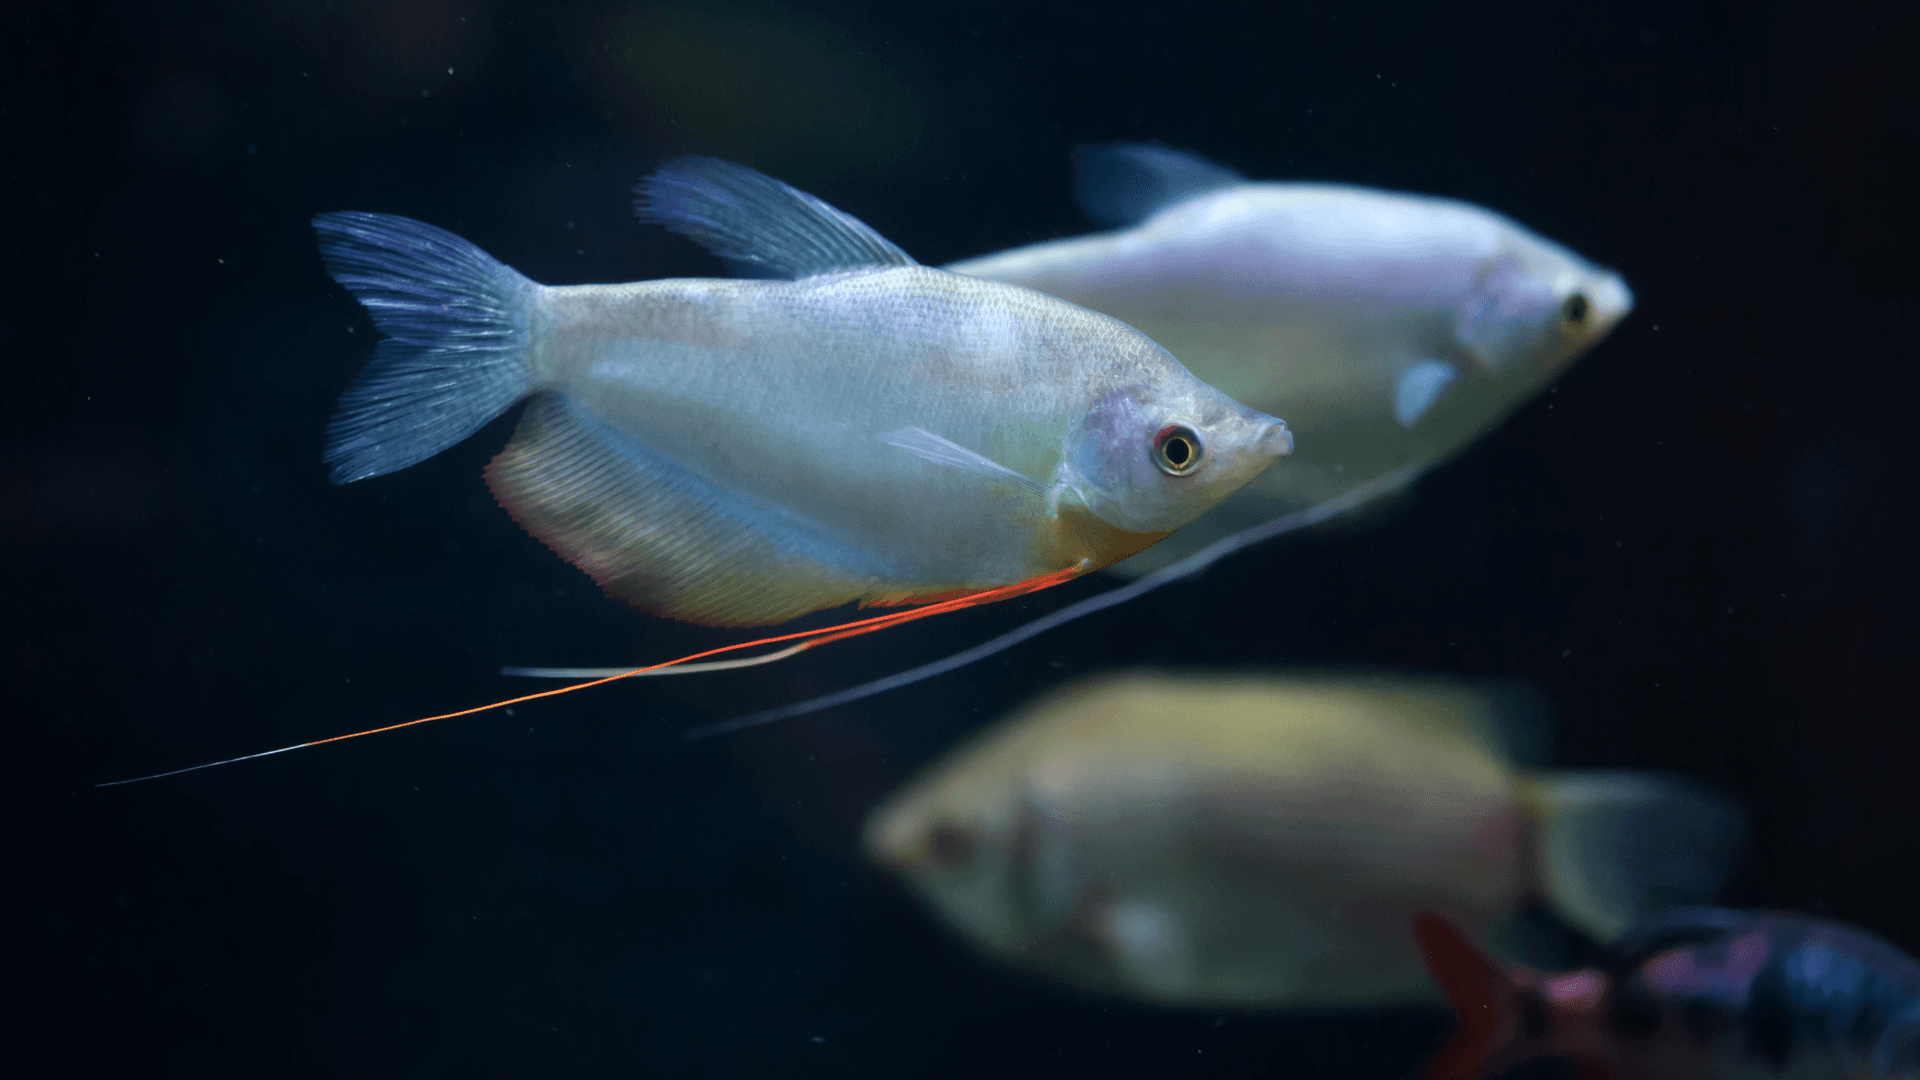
{"type": "Point", "coordinates": [761, 226]}
{"type": "Point", "coordinates": [1124, 184]}
{"type": "Point", "coordinates": [662, 538]}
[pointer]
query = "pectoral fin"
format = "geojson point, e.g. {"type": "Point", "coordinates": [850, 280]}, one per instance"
{"type": "Point", "coordinates": [925, 444]}
{"type": "Point", "coordinates": [1419, 388]}
{"type": "Point", "coordinates": [1149, 945]}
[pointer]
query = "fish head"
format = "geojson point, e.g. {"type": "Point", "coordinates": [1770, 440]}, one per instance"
{"type": "Point", "coordinates": [1150, 457]}
{"type": "Point", "coordinates": [1536, 306]}
{"type": "Point", "coordinates": [956, 837]}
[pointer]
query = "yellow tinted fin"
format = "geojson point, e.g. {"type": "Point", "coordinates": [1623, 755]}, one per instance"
{"type": "Point", "coordinates": [664, 539]}
{"type": "Point", "coordinates": [1614, 847]}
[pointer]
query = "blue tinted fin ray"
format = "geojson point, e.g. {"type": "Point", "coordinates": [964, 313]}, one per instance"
{"type": "Point", "coordinates": [663, 538]}
{"type": "Point", "coordinates": [760, 226]}
{"type": "Point", "coordinates": [456, 352]}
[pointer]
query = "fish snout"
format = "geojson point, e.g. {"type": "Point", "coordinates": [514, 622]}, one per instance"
{"type": "Point", "coordinates": [1274, 440]}
{"type": "Point", "coordinates": [889, 842]}
{"type": "Point", "coordinates": [1611, 299]}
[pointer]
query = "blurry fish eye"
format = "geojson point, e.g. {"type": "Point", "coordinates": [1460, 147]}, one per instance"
{"type": "Point", "coordinates": [1177, 450]}
{"type": "Point", "coordinates": [949, 846]}
{"type": "Point", "coordinates": [1575, 309]}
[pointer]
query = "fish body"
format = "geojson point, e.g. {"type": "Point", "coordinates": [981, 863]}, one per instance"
{"type": "Point", "coordinates": [1693, 994]}
{"type": "Point", "coordinates": [1390, 328]}
{"type": "Point", "coordinates": [849, 427]}
{"type": "Point", "coordinates": [1266, 842]}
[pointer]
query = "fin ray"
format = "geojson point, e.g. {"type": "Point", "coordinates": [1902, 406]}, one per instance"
{"type": "Point", "coordinates": [925, 444]}
{"type": "Point", "coordinates": [1617, 846]}
{"type": "Point", "coordinates": [456, 352]}
{"type": "Point", "coordinates": [760, 226]}
{"type": "Point", "coordinates": [659, 536]}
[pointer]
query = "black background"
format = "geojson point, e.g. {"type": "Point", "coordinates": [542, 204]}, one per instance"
{"type": "Point", "coordinates": [1701, 543]}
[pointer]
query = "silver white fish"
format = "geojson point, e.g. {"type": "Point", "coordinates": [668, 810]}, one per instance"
{"type": "Point", "coordinates": [740, 452]}
{"type": "Point", "coordinates": [1388, 328]}
{"type": "Point", "coordinates": [1262, 841]}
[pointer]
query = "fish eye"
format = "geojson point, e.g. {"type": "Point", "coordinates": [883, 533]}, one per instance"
{"type": "Point", "coordinates": [949, 847]}
{"type": "Point", "coordinates": [1177, 450]}
{"type": "Point", "coordinates": [1574, 311]}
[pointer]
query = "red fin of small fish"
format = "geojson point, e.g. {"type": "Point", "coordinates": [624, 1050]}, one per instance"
{"type": "Point", "coordinates": [1473, 988]}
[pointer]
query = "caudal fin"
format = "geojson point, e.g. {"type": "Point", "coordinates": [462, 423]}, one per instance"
{"type": "Point", "coordinates": [456, 353]}
{"type": "Point", "coordinates": [1480, 993]}
{"type": "Point", "coordinates": [1615, 847]}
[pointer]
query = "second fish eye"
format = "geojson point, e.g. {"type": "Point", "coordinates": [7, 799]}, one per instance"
{"type": "Point", "coordinates": [1177, 450]}
{"type": "Point", "coordinates": [949, 846]}
{"type": "Point", "coordinates": [1575, 309]}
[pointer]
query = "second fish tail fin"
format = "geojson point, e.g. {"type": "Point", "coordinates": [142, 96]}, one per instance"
{"type": "Point", "coordinates": [1615, 847]}
{"type": "Point", "coordinates": [458, 346]}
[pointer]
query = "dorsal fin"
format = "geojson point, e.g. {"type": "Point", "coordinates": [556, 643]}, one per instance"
{"type": "Point", "coordinates": [761, 226]}
{"type": "Point", "coordinates": [1521, 719]}
{"type": "Point", "coordinates": [1123, 184]}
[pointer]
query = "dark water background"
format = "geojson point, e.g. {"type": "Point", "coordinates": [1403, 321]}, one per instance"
{"type": "Point", "coordinates": [1701, 544]}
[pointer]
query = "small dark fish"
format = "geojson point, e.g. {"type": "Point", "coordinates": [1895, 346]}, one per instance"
{"type": "Point", "coordinates": [1694, 993]}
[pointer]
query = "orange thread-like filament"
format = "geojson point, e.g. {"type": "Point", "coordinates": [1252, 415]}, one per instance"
{"type": "Point", "coordinates": [820, 636]}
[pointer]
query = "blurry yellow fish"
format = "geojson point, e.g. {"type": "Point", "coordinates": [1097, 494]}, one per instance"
{"type": "Point", "coordinates": [1388, 328]}
{"type": "Point", "coordinates": [741, 452]}
{"type": "Point", "coordinates": [1268, 841]}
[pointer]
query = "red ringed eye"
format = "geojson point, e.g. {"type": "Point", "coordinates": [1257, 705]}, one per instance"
{"type": "Point", "coordinates": [1177, 450]}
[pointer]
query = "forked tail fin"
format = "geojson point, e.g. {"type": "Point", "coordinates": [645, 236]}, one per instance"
{"type": "Point", "coordinates": [1479, 992]}
{"type": "Point", "coordinates": [457, 352]}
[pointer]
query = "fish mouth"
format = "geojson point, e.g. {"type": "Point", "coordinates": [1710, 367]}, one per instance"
{"type": "Point", "coordinates": [1274, 439]}
{"type": "Point", "coordinates": [1611, 299]}
{"type": "Point", "coordinates": [896, 842]}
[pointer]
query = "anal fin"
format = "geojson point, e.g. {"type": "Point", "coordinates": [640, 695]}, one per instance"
{"type": "Point", "coordinates": [657, 535]}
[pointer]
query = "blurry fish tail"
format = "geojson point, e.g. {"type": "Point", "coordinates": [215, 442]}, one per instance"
{"type": "Point", "coordinates": [1480, 993]}
{"type": "Point", "coordinates": [1615, 847]}
{"type": "Point", "coordinates": [457, 352]}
